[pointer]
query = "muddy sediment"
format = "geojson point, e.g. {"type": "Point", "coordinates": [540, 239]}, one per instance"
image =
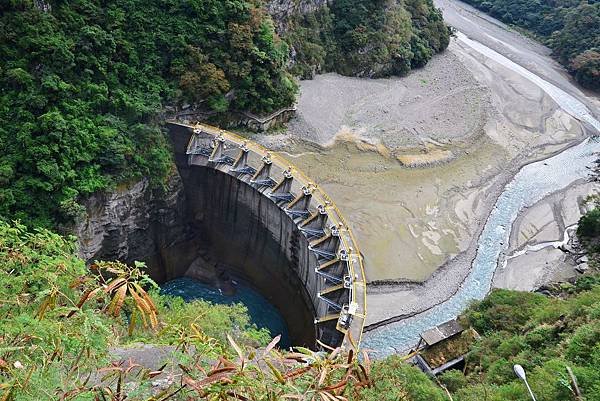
{"type": "Point", "coordinates": [415, 162]}
{"type": "Point", "coordinates": [418, 187]}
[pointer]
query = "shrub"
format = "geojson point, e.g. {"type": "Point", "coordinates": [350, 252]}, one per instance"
{"type": "Point", "coordinates": [585, 340]}
{"type": "Point", "coordinates": [393, 379]}
{"type": "Point", "coordinates": [453, 380]}
{"type": "Point", "coordinates": [504, 310]}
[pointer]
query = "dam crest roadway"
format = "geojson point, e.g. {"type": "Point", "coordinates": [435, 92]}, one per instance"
{"type": "Point", "coordinates": [327, 261]}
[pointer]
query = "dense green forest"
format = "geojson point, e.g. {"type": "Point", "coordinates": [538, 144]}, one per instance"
{"type": "Point", "coordinates": [84, 84]}
{"type": "Point", "coordinates": [375, 38]}
{"type": "Point", "coordinates": [61, 321]}
{"type": "Point", "coordinates": [571, 28]}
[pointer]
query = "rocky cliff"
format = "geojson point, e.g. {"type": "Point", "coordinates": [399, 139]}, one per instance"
{"type": "Point", "coordinates": [373, 39]}
{"type": "Point", "coordinates": [136, 223]}
{"type": "Point", "coordinates": [282, 10]}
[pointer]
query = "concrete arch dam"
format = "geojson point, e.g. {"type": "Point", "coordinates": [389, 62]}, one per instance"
{"type": "Point", "coordinates": [274, 226]}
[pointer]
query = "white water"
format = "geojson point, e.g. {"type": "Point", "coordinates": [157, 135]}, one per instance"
{"type": "Point", "coordinates": [531, 184]}
{"type": "Point", "coordinates": [542, 245]}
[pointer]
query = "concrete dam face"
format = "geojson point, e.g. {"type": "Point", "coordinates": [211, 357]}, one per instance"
{"type": "Point", "coordinates": [265, 222]}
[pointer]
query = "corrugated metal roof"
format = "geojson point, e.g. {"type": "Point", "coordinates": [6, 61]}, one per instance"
{"type": "Point", "coordinates": [441, 332]}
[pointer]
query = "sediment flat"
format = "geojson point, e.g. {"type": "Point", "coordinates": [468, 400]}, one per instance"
{"type": "Point", "coordinates": [416, 163]}
{"type": "Point", "coordinates": [536, 254]}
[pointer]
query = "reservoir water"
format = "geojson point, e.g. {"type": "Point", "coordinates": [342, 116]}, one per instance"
{"type": "Point", "coordinates": [261, 312]}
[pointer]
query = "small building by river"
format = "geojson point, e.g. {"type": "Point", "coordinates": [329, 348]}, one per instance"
{"type": "Point", "coordinates": [444, 347]}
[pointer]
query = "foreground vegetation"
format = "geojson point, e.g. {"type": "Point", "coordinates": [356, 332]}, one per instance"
{"type": "Point", "coordinates": [544, 334]}
{"type": "Point", "coordinates": [571, 28]}
{"type": "Point", "coordinates": [62, 322]}
{"type": "Point", "coordinates": [60, 319]}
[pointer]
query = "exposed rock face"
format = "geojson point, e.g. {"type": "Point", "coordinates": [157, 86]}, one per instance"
{"type": "Point", "coordinates": [42, 5]}
{"type": "Point", "coordinates": [282, 10]}
{"type": "Point", "coordinates": [134, 223]}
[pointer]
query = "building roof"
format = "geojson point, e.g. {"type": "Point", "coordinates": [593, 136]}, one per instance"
{"type": "Point", "coordinates": [441, 332]}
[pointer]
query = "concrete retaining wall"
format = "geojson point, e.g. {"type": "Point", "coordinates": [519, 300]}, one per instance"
{"type": "Point", "coordinates": [250, 234]}
{"type": "Point", "coordinates": [258, 237]}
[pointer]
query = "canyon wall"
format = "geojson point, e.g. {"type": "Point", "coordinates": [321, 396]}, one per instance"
{"type": "Point", "coordinates": [282, 10]}
{"type": "Point", "coordinates": [135, 222]}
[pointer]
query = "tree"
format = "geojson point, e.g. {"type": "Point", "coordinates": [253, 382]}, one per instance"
{"type": "Point", "coordinates": [84, 86]}
{"type": "Point", "coordinates": [571, 28]}
{"type": "Point", "coordinates": [587, 69]}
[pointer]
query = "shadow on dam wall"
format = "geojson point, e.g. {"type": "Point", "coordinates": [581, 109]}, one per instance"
{"type": "Point", "coordinates": [213, 223]}
{"type": "Point", "coordinates": [237, 223]}
{"type": "Point", "coordinates": [250, 236]}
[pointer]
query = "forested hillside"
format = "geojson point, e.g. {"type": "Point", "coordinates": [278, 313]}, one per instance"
{"type": "Point", "coordinates": [545, 334]}
{"type": "Point", "coordinates": [367, 38]}
{"type": "Point", "coordinates": [84, 82]}
{"type": "Point", "coordinates": [571, 28]}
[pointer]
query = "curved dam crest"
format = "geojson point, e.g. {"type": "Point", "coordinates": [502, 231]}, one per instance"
{"type": "Point", "coordinates": [271, 224]}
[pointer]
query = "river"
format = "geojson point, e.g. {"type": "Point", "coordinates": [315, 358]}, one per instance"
{"type": "Point", "coordinates": [531, 184]}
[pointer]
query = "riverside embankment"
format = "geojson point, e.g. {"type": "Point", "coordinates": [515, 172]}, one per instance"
{"type": "Point", "coordinates": [534, 182]}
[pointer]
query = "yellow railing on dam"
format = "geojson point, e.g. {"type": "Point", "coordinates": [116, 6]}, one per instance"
{"type": "Point", "coordinates": [353, 258]}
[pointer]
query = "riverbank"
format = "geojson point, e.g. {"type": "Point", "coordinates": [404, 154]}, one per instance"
{"type": "Point", "coordinates": [393, 301]}
{"type": "Point", "coordinates": [529, 186]}
{"type": "Point", "coordinates": [541, 250]}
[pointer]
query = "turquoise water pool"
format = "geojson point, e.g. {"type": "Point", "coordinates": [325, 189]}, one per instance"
{"type": "Point", "coordinates": [262, 313]}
